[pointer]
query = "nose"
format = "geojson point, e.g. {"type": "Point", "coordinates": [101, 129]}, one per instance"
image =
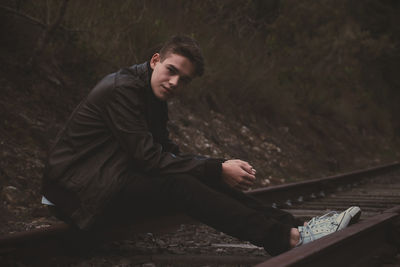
{"type": "Point", "coordinates": [173, 81]}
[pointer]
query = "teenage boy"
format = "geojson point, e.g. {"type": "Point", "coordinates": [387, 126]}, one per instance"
{"type": "Point", "coordinates": [113, 160]}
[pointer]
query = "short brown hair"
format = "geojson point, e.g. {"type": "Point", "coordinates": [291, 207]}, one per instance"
{"type": "Point", "coordinates": [185, 46]}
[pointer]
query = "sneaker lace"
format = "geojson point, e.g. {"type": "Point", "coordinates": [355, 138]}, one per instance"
{"type": "Point", "coordinates": [328, 217]}
{"type": "Point", "coordinates": [321, 221]}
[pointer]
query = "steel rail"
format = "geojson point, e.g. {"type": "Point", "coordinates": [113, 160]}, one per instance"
{"type": "Point", "coordinates": [53, 238]}
{"type": "Point", "coordinates": [287, 194]}
{"type": "Point", "coordinates": [361, 244]}
{"type": "Point", "coordinates": [57, 238]}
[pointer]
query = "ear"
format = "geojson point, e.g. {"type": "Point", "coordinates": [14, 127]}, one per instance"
{"type": "Point", "coordinates": [154, 60]}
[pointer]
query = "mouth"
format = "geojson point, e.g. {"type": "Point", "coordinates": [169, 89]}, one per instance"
{"type": "Point", "coordinates": [167, 90]}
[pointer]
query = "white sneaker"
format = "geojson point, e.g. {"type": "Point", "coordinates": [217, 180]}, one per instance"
{"type": "Point", "coordinates": [329, 223]}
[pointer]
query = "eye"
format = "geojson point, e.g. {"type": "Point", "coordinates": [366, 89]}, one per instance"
{"type": "Point", "coordinates": [171, 70]}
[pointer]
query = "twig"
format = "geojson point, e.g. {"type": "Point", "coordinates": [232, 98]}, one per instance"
{"type": "Point", "coordinates": [32, 19]}
{"type": "Point", "coordinates": [36, 21]}
{"type": "Point", "coordinates": [47, 12]}
{"type": "Point", "coordinates": [137, 20]}
{"type": "Point", "coordinates": [47, 34]}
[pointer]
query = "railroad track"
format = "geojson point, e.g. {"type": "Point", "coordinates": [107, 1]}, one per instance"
{"type": "Point", "coordinates": [373, 240]}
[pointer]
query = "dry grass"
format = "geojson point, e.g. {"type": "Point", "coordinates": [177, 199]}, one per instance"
{"type": "Point", "coordinates": [271, 58]}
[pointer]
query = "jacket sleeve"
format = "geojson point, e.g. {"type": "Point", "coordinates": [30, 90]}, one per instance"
{"type": "Point", "coordinates": [167, 144]}
{"type": "Point", "coordinates": [124, 114]}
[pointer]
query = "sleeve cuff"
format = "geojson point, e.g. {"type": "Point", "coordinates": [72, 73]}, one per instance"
{"type": "Point", "coordinates": [213, 169]}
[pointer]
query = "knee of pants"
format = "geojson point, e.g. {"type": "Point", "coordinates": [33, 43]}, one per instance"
{"type": "Point", "coordinates": [181, 186]}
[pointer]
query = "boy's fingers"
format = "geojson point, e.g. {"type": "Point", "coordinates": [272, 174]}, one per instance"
{"type": "Point", "coordinates": [249, 179]}
{"type": "Point", "coordinates": [250, 174]}
{"type": "Point", "coordinates": [246, 182]}
{"type": "Point", "coordinates": [248, 168]}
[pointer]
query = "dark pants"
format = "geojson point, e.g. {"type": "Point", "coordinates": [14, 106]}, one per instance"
{"type": "Point", "coordinates": [218, 205]}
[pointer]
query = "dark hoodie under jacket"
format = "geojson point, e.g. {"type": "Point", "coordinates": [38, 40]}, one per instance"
{"type": "Point", "coordinates": [119, 131]}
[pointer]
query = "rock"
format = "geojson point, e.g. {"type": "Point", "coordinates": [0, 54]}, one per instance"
{"type": "Point", "coordinates": [265, 182]}
{"type": "Point", "coordinates": [244, 130]}
{"type": "Point", "coordinates": [11, 194]}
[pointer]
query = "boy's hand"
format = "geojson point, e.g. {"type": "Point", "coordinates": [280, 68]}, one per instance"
{"type": "Point", "coordinates": [238, 174]}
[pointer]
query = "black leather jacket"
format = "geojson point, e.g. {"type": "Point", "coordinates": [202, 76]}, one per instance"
{"type": "Point", "coordinates": [116, 133]}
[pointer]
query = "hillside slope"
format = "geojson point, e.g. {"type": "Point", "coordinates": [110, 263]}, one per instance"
{"type": "Point", "coordinates": [298, 145]}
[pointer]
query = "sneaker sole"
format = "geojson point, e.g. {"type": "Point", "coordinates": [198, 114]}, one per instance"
{"type": "Point", "coordinates": [352, 215]}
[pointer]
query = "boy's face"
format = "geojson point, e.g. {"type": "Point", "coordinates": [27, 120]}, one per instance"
{"type": "Point", "coordinates": [170, 75]}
